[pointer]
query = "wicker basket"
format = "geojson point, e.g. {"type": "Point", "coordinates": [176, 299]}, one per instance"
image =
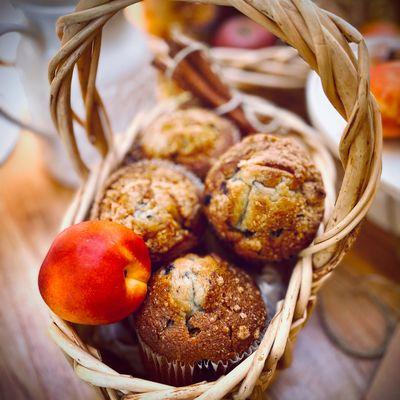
{"type": "Point", "coordinates": [322, 39]}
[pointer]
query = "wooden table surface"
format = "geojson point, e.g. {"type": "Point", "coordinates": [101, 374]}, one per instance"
{"type": "Point", "coordinates": [32, 367]}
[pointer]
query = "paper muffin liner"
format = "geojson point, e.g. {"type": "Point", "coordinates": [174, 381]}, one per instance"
{"type": "Point", "coordinates": [178, 373]}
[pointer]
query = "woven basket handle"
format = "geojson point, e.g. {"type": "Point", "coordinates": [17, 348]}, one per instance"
{"type": "Point", "coordinates": [321, 38]}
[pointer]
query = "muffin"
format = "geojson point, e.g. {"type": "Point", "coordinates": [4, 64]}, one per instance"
{"type": "Point", "coordinates": [194, 138]}
{"type": "Point", "coordinates": [201, 317]}
{"type": "Point", "coordinates": [159, 201]}
{"type": "Point", "coordinates": [265, 198]}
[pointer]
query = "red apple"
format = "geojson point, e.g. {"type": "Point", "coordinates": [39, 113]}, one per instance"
{"type": "Point", "coordinates": [95, 272]}
{"type": "Point", "coordinates": [242, 32]}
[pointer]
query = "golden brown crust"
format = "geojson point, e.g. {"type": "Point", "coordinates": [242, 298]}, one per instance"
{"type": "Point", "coordinates": [201, 308]}
{"type": "Point", "coordinates": [157, 200]}
{"type": "Point", "coordinates": [265, 197]}
{"type": "Point", "coordinates": [194, 138]}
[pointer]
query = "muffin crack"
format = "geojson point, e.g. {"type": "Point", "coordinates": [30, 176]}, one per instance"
{"type": "Point", "coordinates": [181, 219]}
{"type": "Point", "coordinates": [243, 212]}
{"type": "Point", "coordinates": [195, 294]}
{"type": "Point", "coordinates": [260, 159]}
{"type": "Point", "coordinates": [271, 192]}
{"type": "Point", "coordinates": [188, 290]}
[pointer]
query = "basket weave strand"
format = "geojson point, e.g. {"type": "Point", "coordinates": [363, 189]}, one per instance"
{"type": "Point", "coordinates": [322, 40]}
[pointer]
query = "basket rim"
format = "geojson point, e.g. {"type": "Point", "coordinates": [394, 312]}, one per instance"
{"type": "Point", "coordinates": [322, 40]}
{"type": "Point", "coordinates": [300, 282]}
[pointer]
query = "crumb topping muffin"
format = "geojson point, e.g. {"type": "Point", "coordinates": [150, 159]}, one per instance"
{"type": "Point", "coordinates": [265, 197]}
{"type": "Point", "coordinates": [201, 308]}
{"type": "Point", "coordinates": [159, 201]}
{"type": "Point", "coordinates": [194, 138]}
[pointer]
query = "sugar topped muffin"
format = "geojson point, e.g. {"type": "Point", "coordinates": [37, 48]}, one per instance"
{"type": "Point", "coordinates": [159, 201]}
{"type": "Point", "coordinates": [193, 137]}
{"type": "Point", "coordinates": [265, 198]}
{"type": "Point", "coordinates": [200, 309]}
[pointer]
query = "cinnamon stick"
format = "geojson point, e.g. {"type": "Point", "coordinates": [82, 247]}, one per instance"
{"type": "Point", "coordinates": [195, 75]}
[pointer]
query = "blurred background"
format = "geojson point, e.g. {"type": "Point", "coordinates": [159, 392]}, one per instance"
{"type": "Point", "coordinates": [350, 349]}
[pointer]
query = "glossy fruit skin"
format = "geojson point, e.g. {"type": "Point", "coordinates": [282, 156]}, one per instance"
{"type": "Point", "coordinates": [95, 272]}
{"type": "Point", "coordinates": [242, 32]}
{"type": "Point", "coordinates": [385, 85]}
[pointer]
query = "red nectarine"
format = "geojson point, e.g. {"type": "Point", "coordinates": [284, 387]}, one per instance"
{"type": "Point", "coordinates": [95, 272]}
